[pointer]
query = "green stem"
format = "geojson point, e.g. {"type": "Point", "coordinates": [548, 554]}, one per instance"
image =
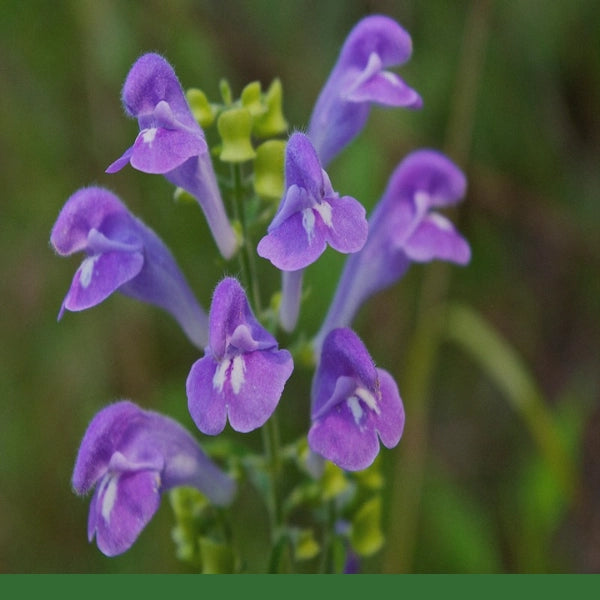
{"type": "Point", "coordinates": [270, 430]}
{"type": "Point", "coordinates": [246, 254]}
{"type": "Point", "coordinates": [327, 565]}
{"type": "Point", "coordinates": [270, 435]}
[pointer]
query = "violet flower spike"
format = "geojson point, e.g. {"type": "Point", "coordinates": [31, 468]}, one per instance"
{"type": "Point", "coordinates": [172, 143]}
{"type": "Point", "coordinates": [354, 404]}
{"type": "Point", "coordinates": [242, 373]}
{"type": "Point", "coordinates": [404, 228]}
{"type": "Point", "coordinates": [358, 80]}
{"type": "Point", "coordinates": [311, 216]}
{"type": "Point", "coordinates": [132, 456]}
{"type": "Point", "coordinates": [123, 255]}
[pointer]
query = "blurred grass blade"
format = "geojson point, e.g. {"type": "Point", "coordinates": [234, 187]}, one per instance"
{"type": "Point", "coordinates": [505, 367]}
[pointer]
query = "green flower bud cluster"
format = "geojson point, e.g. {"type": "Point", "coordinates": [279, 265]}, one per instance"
{"type": "Point", "coordinates": [250, 129]}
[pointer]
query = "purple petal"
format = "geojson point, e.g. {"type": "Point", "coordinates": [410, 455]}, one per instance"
{"type": "Point", "coordinates": [246, 388]}
{"type": "Point", "coordinates": [386, 89]}
{"type": "Point", "coordinates": [230, 309]}
{"type": "Point", "coordinates": [436, 237]}
{"type": "Point", "coordinates": [265, 375]}
{"type": "Point", "coordinates": [296, 243]}
{"type": "Point", "coordinates": [349, 229]}
{"type": "Point", "coordinates": [151, 80]}
{"type": "Point", "coordinates": [206, 405]}
{"type": "Point", "coordinates": [122, 506]}
{"type": "Point", "coordinates": [389, 423]}
{"type": "Point", "coordinates": [343, 355]}
{"type": "Point", "coordinates": [158, 150]}
{"type": "Point", "coordinates": [120, 162]}
{"type": "Point", "coordinates": [376, 34]}
{"type": "Point", "coordinates": [86, 209]}
{"type": "Point", "coordinates": [375, 85]}
{"type": "Point", "coordinates": [101, 440]}
{"type": "Point", "coordinates": [295, 200]}
{"type": "Point", "coordinates": [429, 173]}
{"type": "Point", "coordinates": [337, 438]}
{"type": "Point", "coordinates": [99, 276]}
{"type": "Point", "coordinates": [302, 166]}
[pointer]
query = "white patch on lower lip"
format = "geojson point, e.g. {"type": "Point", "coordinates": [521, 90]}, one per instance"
{"type": "Point", "coordinates": [367, 397]}
{"type": "Point", "coordinates": [354, 405]}
{"type": "Point", "coordinates": [148, 135]}
{"type": "Point", "coordinates": [440, 221]}
{"type": "Point", "coordinates": [221, 374]}
{"type": "Point", "coordinates": [238, 373]}
{"type": "Point", "coordinates": [308, 222]}
{"type": "Point", "coordinates": [324, 209]}
{"type": "Point", "coordinates": [110, 497]}
{"type": "Point", "coordinates": [87, 271]}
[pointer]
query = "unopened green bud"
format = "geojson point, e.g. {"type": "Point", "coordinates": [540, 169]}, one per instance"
{"type": "Point", "coordinates": [272, 122]}
{"type": "Point", "coordinates": [234, 127]}
{"type": "Point", "coordinates": [251, 99]}
{"type": "Point", "coordinates": [268, 169]}
{"type": "Point", "coordinates": [201, 108]}
{"type": "Point", "coordinates": [225, 90]}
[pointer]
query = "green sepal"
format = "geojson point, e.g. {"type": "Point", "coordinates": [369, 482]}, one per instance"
{"type": "Point", "coordinates": [192, 514]}
{"type": "Point", "coordinates": [366, 536]}
{"type": "Point", "coordinates": [269, 169]}
{"type": "Point", "coordinates": [183, 197]}
{"type": "Point", "coordinates": [187, 502]}
{"type": "Point", "coordinates": [251, 99]}
{"type": "Point", "coordinates": [272, 122]}
{"type": "Point", "coordinates": [235, 126]}
{"type": "Point", "coordinates": [201, 108]}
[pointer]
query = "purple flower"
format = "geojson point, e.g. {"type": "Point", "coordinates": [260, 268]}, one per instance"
{"type": "Point", "coordinates": [353, 404]}
{"type": "Point", "coordinates": [132, 456]}
{"type": "Point", "coordinates": [403, 229]}
{"type": "Point", "coordinates": [358, 80]}
{"type": "Point", "coordinates": [171, 142]}
{"type": "Point", "coordinates": [242, 373]}
{"type": "Point", "coordinates": [125, 255]}
{"type": "Point", "coordinates": [311, 215]}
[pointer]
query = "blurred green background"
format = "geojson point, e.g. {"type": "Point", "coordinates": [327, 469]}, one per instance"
{"type": "Point", "coordinates": [498, 363]}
